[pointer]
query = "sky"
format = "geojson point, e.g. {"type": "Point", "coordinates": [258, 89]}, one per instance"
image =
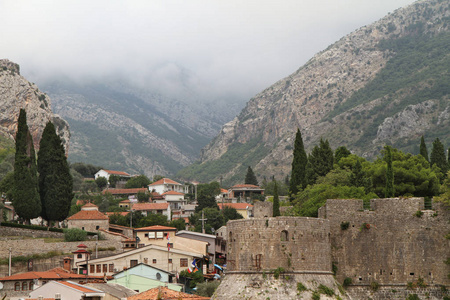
{"type": "Point", "coordinates": [211, 49]}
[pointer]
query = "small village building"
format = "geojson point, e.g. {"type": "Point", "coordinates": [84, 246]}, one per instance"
{"type": "Point", "coordinates": [113, 291]}
{"type": "Point", "coordinates": [244, 191]}
{"type": "Point", "coordinates": [80, 259]}
{"type": "Point", "coordinates": [244, 209]}
{"type": "Point", "coordinates": [224, 195]}
{"type": "Point", "coordinates": [124, 230]}
{"type": "Point", "coordinates": [153, 208]}
{"type": "Point", "coordinates": [175, 199]}
{"type": "Point", "coordinates": [164, 185]}
{"type": "Point", "coordinates": [89, 219]}
{"type": "Point", "coordinates": [130, 193]}
{"type": "Point", "coordinates": [69, 289]}
{"type": "Point", "coordinates": [108, 173]}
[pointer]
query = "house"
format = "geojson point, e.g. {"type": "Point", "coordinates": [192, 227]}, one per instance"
{"type": "Point", "coordinates": [68, 289]}
{"type": "Point", "coordinates": [165, 236]}
{"type": "Point", "coordinates": [143, 277]}
{"type": "Point", "coordinates": [165, 293]}
{"type": "Point", "coordinates": [89, 219]}
{"type": "Point", "coordinates": [224, 194]}
{"type": "Point", "coordinates": [153, 208]}
{"type": "Point", "coordinates": [245, 209]}
{"type": "Point", "coordinates": [164, 185]}
{"type": "Point", "coordinates": [113, 291]}
{"type": "Point", "coordinates": [154, 255]}
{"type": "Point", "coordinates": [243, 191]}
{"type": "Point", "coordinates": [108, 173]}
{"type": "Point", "coordinates": [19, 285]}
{"type": "Point", "coordinates": [176, 199]}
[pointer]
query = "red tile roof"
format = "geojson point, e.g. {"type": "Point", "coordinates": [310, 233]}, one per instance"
{"type": "Point", "coordinates": [164, 181]}
{"type": "Point", "coordinates": [235, 205]}
{"type": "Point", "coordinates": [156, 228]}
{"type": "Point", "coordinates": [117, 173]}
{"type": "Point", "coordinates": [124, 191]}
{"type": "Point", "coordinates": [224, 191]}
{"type": "Point", "coordinates": [88, 215]}
{"type": "Point", "coordinates": [248, 186]}
{"type": "Point", "coordinates": [173, 193]}
{"type": "Point", "coordinates": [165, 294]}
{"type": "Point", "coordinates": [83, 289]}
{"type": "Point", "coordinates": [122, 213]}
{"type": "Point", "coordinates": [150, 206]}
{"type": "Point", "coordinates": [81, 202]}
{"type": "Point", "coordinates": [54, 274]}
{"type": "Point", "coordinates": [89, 205]}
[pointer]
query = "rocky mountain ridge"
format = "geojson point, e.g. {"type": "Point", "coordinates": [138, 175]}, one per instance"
{"type": "Point", "coordinates": [15, 93]}
{"type": "Point", "coordinates": [321, 98]}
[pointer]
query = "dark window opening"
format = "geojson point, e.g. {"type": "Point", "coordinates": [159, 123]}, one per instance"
{"type": "Point", "coordinates": [412, 274]}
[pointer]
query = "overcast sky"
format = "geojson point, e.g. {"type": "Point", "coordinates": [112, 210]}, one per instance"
{"type": "Point", "coordinates": [216, 48]}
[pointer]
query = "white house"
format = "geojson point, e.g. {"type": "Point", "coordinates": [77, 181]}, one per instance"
{"type": "Point", "coordinates": [164, 185]}
{"type": "Point", "coordinates": [155, 208]}
{"type": "Point", "coordinates": [107, 173]}
{"type": "Point", "coordinates": [68, 289]}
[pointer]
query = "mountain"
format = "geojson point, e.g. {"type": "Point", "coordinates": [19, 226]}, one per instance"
{"type": "Point", "coordinates": [386, 83]}
{"type": "Point", "coordinates": [120, 127]}
{"type": "Point", "coordinates": [15, 93]}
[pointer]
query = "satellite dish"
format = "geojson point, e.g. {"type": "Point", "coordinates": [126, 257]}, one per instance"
{"type": "Point", "coordinates": [1, 285]}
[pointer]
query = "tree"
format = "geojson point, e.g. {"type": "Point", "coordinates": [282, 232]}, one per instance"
{"type": "Point", "coordinates": [25, 200]}
{"type": "Point", "coordinates": [7, 185]}
{"type": "Point", "coordinates": [87, 170]}
{"type": "Point", "coordinates": [341, 152]}
{"type": "Point", "coordinates": [389, 191]}
{"type": "Point", "coordinates": [138, 182]}
{"type": "Point", "coordinates": [423, 149]}
{"type": "Point", "coordinates": [55, 179]}
{"type": "Point", "coordinates": [113, 179]}
{"type": "Point", "coordinates": [157, 177]}
{"type": "Point", "coordinates": [250, 177]}
{"type": "Point", "coordinates": [298, 170]}
{"type": "Point", "coordinates": [320, 161]}
{"type": "Point", "coordinates": [206, 195]}
{"type": "Point", "coordinates": [276, 202]}
{"type": "Point", "coordinates": [214, 220]}
{"type": "Point", "coordinates": [230, 213]}
{"type": "Point", "coordinates": [101, 182]}
{"type": "Point", "coordinates": [179, 224]}
{"type": "Point", "coordinates": [359, 178]}
{"type": "Point", "coordinates": [142, 197]}
{"type": "Point", "coordinates": [151, 220]}
{"type": "Point", "coordinates": [438, 156]}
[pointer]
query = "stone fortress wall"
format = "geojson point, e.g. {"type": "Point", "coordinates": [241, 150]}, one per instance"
{"type": "Point", "coordinates": [396, 241]}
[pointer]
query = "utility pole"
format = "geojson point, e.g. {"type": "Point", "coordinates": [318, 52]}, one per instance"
{"type": "Point", "coordinates": [203, 221]}
{"type": "Point", "coordinates": [9, 269]}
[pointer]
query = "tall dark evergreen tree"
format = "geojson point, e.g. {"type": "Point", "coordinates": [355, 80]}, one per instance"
{"type": "Point", "coordinates": [299, 162]}
{"type": "Point", "coordinates": [438, 156]}
{"type": "Point", "coordinates": [276, 201]}
{"type": "Point", "coordinates": [341, 152]}
{"type": "Point", "coordinates": [55, 180]}
{"type": "Point", "coordinates": [423, 149]}
{"type": "Point", "coordinates": [250, 177]}
{"type": "Point", "coordinates": [320, 161]}
{"type": "Point", "coordinates": [25, 192]}
{"type": "Point", "coordinates": [389, 191]}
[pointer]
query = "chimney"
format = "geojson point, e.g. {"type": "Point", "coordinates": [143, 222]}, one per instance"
{"type": "Point", "coordinates": [57, 296]}
{"type": "Point", "coordinates": [68, 264]}
{"type": "Point", "coordinates": [40, 297]}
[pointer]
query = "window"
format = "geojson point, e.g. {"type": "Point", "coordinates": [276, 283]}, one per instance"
{"type": "Point", "coordinates": [170, 260]}
{"type": "Point", "coordinates": [159, 235]}
{"type": "Point", "coordinates": [17, 286]}
{"type": "Point", "coordinates": [105, 268]}
{"type": "Point", "coordinates": [183, 262]}
{"type": "Point", "coordinates": [31, 285]}
{"type": "Point", "coordinates": [97, 227]}
{"type": "Point", "coordinates": [79, 255]}
{"type": "Point", "coordinates": [146, 235]}
{"type": "Point", "coordinates": [133, 263]}
{"type": "Point", "coordinates": [99, 268]}
{"type": "Point", "coordinates": [284, 236]}
{"type": "Point", "coordinates": [154, 260]}
{"type": "Point", "coordinates": [24, 286]}
{"type": "Point", "coordinates": [151, 235]}
{"type": "Point", "coordinates": [92, 269]}
{"type": "Point", "coordinates": [111, 268]}
{"type": "Point", "coordinates": [82, 228]}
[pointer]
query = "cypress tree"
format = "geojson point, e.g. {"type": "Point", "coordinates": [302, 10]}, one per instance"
{"type": "Point", "coordinates": [423, 149]}
{"type": "Point", "coordinates": [389, 191]}
{"type": "Point", "coordinates": [26, 200]}
{"type": "Point", "coordinates": [55, 180]}
{"type": "Point", "coordinates": [320, 161]}
{"type": "Point", "coordinates": [276, 201]}
{"type": "Point", "coordinates": [299, 162]}
{"type": "Point", "coordinates": [341, 152]}
{"type": "Point", "coordinates": [438, 156]}
{"type": "Point", "coordinates": [250, 177]}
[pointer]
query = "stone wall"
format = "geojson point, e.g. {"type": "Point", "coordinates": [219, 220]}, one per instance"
{"type": "Point", "coordinates": [89, 225]}
{"type": "Point", "coordinates": [395, 242]}
{"type": "Point", "coordinates": [7, 232]}
{"type": "Point", "coordinates": [396, 292]}
{"type": "Point", "coordinates": [263, 209]}
{"type": "Point", "coordinates": [293, 243]}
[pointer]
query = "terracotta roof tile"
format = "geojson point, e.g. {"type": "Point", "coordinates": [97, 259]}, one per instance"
{"type": "Point", "coordinates": [48, 275]}
{"type": "Point", "coordinates": [224, 191]}
{"type": "Point", "coordinates": [117, 173]}
{"type": "Point", "coordinates": [155, 228]}
{"type": "Point", "coordinates": [89, 205]}
{"type": "Point", "coordinates": [150, 206]}
{"type": "Point", "coordinates": [122, 213]}
{"type": "Point", "coordinates": [248, 186]}
{"type": "Point", "coordinates": [173, 193]}
{"type": "Point", "coordinates": [88, 215]}
{"type": "Point", "coordinates": [164, 181]}
{"type": "Point", "coordinates": [235, 205]}
{"type": "Point", "coordinates": [165, 294]}
{"type": "Point", "coordinates": [83, 289]}
{"type": "Point", "coordinates": [124, 191]}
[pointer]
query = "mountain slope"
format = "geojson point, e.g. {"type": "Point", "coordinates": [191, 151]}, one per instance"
{"type": "Point", "coordinates": [383, 83]}
{"type": "Point", "coordinates": [122, 128]}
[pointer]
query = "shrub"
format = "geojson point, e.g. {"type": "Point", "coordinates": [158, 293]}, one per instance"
{"type": "Point", "coordinates": [334, 268]}
{"type": "Point", "coordinates": [345, 225]}
{"type": "Point", "coordinates": [74, 234]}
{"type": "Point", "coordinates": [374, 286]}
{"type": "Point", "coordinates": [316, 296]}
{"type": "Point", "coordinates": [277, 272]}
{"type": "Point", "coordinates": [301, 287]}
{"type": "Point", "coordinates": [419, 214]}
{"type": "Point", "coordinates": [412, 297]}
{"type": "Point", "coordinates": [347, 281]}
{"type": "Point", "coordinates": [207, 289]}
{"type": "Point", "coordinates": [323, 289]}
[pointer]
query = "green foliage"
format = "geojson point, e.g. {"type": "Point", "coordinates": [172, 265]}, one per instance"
{"type": "Point", "coordinates": [206, 195]}
{"type": "Point", "coordinates": [323, 289]}
{"type": "Point", "coordinates": [250, 177]}
{"type": "Point", "coordinates": [25, 193]}
{"type": "Point", "coordinates": [179, 224]}
{"type": "Point", "coordinates": [445, 192]}
{"type": "Point", "coordinates": [24, 259]}
{"type": "Point", "coordinates": [334, 268]}
{"type": "Point", "coordinates": [320, 161]}
{"type": "Point", "coordinates": [276, 202]}
{"type": "Point", "coordinates": [150, 220]}
{"type": "Point", "coordinates": [345, 225]}
{"type": "Point", "coordinates": [301, 287]}
{"type": "Point", "coordinates": [374, 286]}
{"type": "Point", "coordinates": [299, 162]}
{"type": "Point", "coordinates": [419, 214]}
{"type": "Point", "coordinates": [7, 185]}
{"type": "Point", "coordinates": [389, 190]}
{"type": "Point", "coordinates": [214, 217]}
{"type": "Point", "coordinates": [437, 156]}
{"type": "Point", "coordinates": [74, 234]}
{"type": "Point", "coordinates": [142, 197]}
{"type": "Point", "coordinates": [347, 281]}
{"type": "Point", "coordinates": [137, 182]}
{"type": "Point", "coordinates": [413, 297]}
{"type": "Point", "coordinates": [230, 213]}
{"type": "Point", "coordinates": [87, 170]}
{"type": "Point", "coordinates": [113, 179]}
{"type": "Point", "coordinates": [277, 272]}
{"type": "Point", "coordinates": [55, 179]}
{"type": "Point", "coordinates": [195, 277]}
{"type": "Point", "coordinates": [341, 152]}
{"type": "Point", "coordinates": [283, 188]}
{"type": "Point", "coordinates": [101, 182]}
{"type": "Point", "coordinates": [207, 289]}
{"type": "Point", "coordinates": [423, 149]}
{"type": "Point", "coordinates": [315, 295]}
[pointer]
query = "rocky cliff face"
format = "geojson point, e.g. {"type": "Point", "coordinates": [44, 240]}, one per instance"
{"type": "Point", "coordinates": [321, 98]}
{"type": "Point", "coordinates": [16, 93]}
